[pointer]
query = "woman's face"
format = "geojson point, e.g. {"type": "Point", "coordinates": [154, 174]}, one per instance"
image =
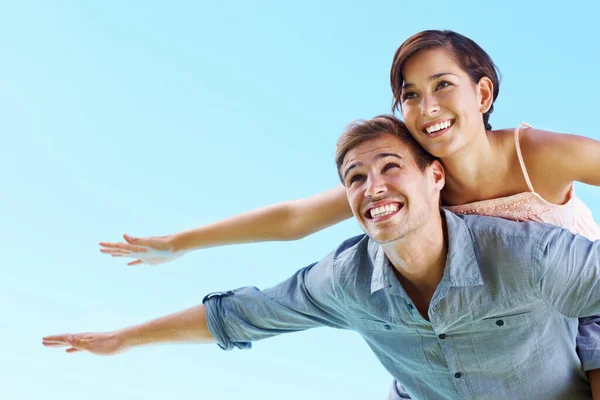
{"type": "Point", "coordinates": [441, 105]}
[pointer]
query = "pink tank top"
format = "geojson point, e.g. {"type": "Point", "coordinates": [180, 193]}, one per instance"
{"type": "Point", "coordinates": [530, 206]}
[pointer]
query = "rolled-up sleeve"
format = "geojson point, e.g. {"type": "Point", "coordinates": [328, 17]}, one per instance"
{"type": "Point", "coordinates": [306, 300]}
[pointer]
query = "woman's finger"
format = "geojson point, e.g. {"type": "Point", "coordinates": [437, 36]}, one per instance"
{"type": "Point", "coordinates": [124, 246]}
{"type": "Point", "coordinates": [114, 251]}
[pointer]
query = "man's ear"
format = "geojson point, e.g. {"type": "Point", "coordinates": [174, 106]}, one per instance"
{"type": "Point", "coordinates": [438, 175]}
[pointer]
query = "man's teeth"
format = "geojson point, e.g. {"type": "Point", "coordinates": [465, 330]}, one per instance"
{"type": "Point", "coordinates": [437, 127]}
{"type": "Point", "coordinates": [383, 210]}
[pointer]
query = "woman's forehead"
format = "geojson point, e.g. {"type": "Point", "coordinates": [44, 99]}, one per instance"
{"type": "Point", "coordinates": [427, 64]}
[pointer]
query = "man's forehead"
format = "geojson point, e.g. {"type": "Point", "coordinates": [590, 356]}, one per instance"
{"type": "Point", "coordinates": [372, 148]}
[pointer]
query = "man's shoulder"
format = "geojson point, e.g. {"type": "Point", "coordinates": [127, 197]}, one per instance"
{"type": "Point", "coordinates": [356, 253]}
{"type": "Point", "coordinates": [353, 263]}
{"type": "Point", "coordinates": [482, 227]}
{"type": "Point", "coordinates": [351, 248]}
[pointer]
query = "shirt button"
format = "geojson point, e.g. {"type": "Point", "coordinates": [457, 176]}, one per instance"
{"type": "Point", "coordinates": [442, 336]}
{"type": "Point", "coordinates": [409, 306]}
{"type": "Point", "coordinates": [499, 322]}
{"type": "Point", "coordinates": [457, 375]}
{"type": "Point", "coordinates": [387, 327]}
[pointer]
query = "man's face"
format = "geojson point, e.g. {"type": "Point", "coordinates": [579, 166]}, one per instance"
{"type": "Point", "coordinates": [388, 193]}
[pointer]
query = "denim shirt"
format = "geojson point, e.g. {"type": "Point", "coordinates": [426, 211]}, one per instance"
{"type": "Point", "coordinates": [502, 322]}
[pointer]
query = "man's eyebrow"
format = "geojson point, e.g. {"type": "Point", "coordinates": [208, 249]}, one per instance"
{"type": "Point", "coordinates": [350, 168]}
{"type": "Point", "coordinates": [431, 78]}
{"type": "Point", "coordinates": [380, 155]}
{"type": "Point", "coordinates": [383, 155]}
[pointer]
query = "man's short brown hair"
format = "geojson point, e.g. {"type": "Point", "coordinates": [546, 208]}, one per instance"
{"type": "Point", "coordinates": [361, 131]}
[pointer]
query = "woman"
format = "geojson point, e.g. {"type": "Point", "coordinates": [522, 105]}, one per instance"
{"type": "Point", "coordinates": [445, 86]}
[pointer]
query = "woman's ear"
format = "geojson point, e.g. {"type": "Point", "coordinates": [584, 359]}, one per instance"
{"type": "Point", "coordinates": [485, 93]}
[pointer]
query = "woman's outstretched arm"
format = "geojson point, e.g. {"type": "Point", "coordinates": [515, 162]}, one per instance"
{"type": "Point", "coordinates": [288, 220]}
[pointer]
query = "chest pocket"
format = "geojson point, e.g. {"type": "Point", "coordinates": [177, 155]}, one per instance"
{"type": "Point", "coordinates": [396, 326]}
{"type": "Point", "coordinates": [504, 343]}
{"type": "Point", "coordinates": [374, 325]}
{"type": "Point", "coordinates": [395, 343]}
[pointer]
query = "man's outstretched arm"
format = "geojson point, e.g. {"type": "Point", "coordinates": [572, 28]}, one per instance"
{"type": "Point", "coordinates": [187, 326]}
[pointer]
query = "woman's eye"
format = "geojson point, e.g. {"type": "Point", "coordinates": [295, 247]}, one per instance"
{"type": "Point", "coordinates": [408, 96]}
{"type": "Point", "coordinates": [443, 84]}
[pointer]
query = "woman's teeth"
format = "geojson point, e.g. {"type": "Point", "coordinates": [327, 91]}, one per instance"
{"type": "Point", "coordinates": [437, 127]}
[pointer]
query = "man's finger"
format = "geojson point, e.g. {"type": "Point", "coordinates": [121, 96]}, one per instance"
{"type": "Point", "coordinates": [73, 350]}
{"type": "Point", "coordinates": [136, 262]}
{"type": "Point", "coordinates": [75, 341]}
{"type": "Point", "coordinates": [62, 340]}
{"type": "Point", "coordinates": [55, 338]}
{"type": "Point", "coordinates": [54, 344]}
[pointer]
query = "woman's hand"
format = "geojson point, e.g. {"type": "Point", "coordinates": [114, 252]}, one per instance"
{"type": "Point", "coordinates": [152, 250]}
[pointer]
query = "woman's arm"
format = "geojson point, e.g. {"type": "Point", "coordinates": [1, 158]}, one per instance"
{"type": "Point", "coordinates": [555, 160]}
{"type": "Point", "coordinates": [289, 220]}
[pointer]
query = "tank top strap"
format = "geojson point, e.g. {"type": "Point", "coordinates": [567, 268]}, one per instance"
{"type": "Point", "coordinates": [520, 155]}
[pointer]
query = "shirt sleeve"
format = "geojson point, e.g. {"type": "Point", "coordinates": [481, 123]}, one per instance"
{"type": "Point", "coordinates": [306, 300]}
{"type": "Point", "coordinates": [588, 342]}
{"type": "Point", "coordinates": [567, 272]}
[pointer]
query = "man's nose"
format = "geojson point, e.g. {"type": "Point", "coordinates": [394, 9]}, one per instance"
{"type": "Point", "coordinates": [375, 187]}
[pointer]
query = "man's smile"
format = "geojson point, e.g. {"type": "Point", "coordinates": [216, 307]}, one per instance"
{"type": "Point", "coordinates": [380, 210]}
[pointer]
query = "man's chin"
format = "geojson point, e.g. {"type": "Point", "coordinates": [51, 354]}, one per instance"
{"type": "Point", "coordinates": [385, 237]}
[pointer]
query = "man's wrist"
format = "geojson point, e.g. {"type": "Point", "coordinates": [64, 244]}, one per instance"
{"type": "Point", "coordinates": [129, 337]}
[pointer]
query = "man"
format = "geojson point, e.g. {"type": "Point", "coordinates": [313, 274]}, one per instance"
{"type": "Point", "coordinates": [453, 306]}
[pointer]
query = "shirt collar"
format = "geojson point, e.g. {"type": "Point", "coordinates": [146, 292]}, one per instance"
{"type": "Point", "coordinates": [461, 268]}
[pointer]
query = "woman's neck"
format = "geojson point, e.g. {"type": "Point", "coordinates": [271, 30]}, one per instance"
{"type": "Point", "coordinates": [470, 170]}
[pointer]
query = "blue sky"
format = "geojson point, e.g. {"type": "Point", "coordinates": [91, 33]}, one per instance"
{"type": "Point", "coordinates": [148, 118]}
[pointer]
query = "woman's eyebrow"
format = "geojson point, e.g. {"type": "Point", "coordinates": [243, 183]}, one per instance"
{"type": "Point", "coordinates": [431, 78]}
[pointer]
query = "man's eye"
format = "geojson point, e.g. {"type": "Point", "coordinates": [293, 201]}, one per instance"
{"type": "Point", "coordinates": [442, 84]}
{"type": "Point", "coordinates": [390, 166]}
{"type": "Point", "coordinates": [356, 178]}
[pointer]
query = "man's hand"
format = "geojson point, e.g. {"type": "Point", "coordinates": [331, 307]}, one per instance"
{"type": "Point", "coordinates": [102, 344]}
{"type": "Point", "coordinates": [187, 326]}
{"type": "Point", "coordinates": [152, 250]}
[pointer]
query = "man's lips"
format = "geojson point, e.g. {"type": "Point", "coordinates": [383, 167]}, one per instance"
{"type": "Point", "coordinates": [381, 210]}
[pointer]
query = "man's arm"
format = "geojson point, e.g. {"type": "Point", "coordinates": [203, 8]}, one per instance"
{"type": "Point", "coordinates": [567, 272]}
{"type": "Point", "coordinates": [306, 300]}
{"type": "Point", "coordinates": [188, 326]}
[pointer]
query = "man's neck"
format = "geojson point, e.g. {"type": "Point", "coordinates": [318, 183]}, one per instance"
{"type": "Point", "coordinates": [419, 259]}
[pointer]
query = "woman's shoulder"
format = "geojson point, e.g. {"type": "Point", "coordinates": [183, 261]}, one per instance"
{"type": "Point", "coordinates": [535, 144]}
{"type": "Point", "coordinates": [546, 156]}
